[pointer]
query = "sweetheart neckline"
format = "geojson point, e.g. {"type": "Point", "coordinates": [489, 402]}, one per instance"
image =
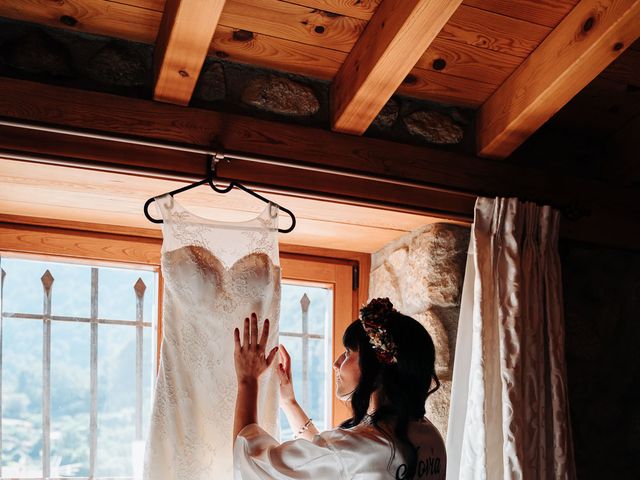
{"type": "Point", "coordinates": [223, 264]}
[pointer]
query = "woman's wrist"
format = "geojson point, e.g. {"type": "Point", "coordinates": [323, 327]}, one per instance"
{"type": "Point", "coordinates": [247, 382]}
{"type": "Point", "coordinates": [288, 402]}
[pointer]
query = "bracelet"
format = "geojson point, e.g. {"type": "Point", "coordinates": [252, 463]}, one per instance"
{"type": "Point", "coordinates": [303, 428]}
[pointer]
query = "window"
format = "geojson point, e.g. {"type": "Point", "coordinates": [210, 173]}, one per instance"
{"type": "Point", "coordinates": [77, 364]}
{"type": "Point", "coordinates": [112, 263]}
{"type": "Point", "coordinates": [328, 285]}
{"type": "Point", "coordinates": [305, 330]}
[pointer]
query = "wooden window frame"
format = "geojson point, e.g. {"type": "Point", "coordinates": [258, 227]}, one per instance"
{"type": "Point", "coordinates": [139, 248]}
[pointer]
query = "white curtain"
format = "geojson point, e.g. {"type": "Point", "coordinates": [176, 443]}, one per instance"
{"type": "Point", "coordinates": [509, 415]}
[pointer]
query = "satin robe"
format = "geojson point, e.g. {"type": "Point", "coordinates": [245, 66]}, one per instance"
{"type": "Point", "coordinates": [361, 452]}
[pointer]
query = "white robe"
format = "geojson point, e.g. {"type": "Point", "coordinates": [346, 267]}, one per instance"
{"type": "Point", "coordinates": [342, 454]}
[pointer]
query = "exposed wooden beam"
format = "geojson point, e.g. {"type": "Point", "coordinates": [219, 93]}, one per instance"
{"type": "Point", "coordinates": [609, 206]}
{"type": "Point", "coordinates": [396, 37]}
{"type": "Point", "coordinates": [481, 48]}
{"type": "Point", "coordinates": [182, 44]}
{"type": "Point", "coordinates": [590, 37]}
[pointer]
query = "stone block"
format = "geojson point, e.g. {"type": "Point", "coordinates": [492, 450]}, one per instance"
{"type": "Point", "coordinates": [211, 83]}
{"type": "Point", "coordinates": [116, 64]}
{"type": "Point", "coordinates": [37, 52]}
{"type": "Point", "coordinates": [280, 95]}
{"type": "Point", "coordinates": [437, 407]}
{"type": "Point", "coordinates": [434, 325]}
{"type": "Point", "coordinates": [434, 127]}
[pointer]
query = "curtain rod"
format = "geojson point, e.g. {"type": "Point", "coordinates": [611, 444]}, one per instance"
{"type": "Point", "coordinates": [221, 154]}
{"type": "Point", "coordinates": [168, 175]}
{"type": "Point", "coordinates": [571, 211]}
{"type": "Point", "coordinates": [101, 136]}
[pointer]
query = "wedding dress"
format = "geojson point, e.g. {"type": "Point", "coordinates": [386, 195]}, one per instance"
{"type": "Point", "coordinates": [215, 274]}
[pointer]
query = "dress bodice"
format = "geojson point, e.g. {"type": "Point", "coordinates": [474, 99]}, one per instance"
{"type": "Point", "coordinates": [215, 274]}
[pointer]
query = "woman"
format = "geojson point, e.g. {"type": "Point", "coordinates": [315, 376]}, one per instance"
{"type": "Point", "coordinates": [385, 372]}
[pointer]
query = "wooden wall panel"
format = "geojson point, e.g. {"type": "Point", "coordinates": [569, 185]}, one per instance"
{"type": "Point", "coordinates": [60, 242]}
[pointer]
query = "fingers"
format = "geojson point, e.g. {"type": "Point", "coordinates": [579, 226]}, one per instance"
{"type": "Point", "coordinates": [272, 355]}
{"type": "Point", "coordinates": [285, 353]}
{"type": "Point", "coordinates": [254, 330]}
{"type": "Point", "coordinates": [265, 335]}
{"type": "Point", "coordinates": [250, 336]}
{"type": "Point", "coordinates": [245, 342]}
{"type": "Point", "coordinates": [236, 338]}
{"type": "Point", "coordinates": [286, 360]}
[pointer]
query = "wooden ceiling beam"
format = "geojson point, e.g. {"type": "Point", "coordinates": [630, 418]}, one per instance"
{"type": "Point", "coordinates": [182, 44]}
{"type": "Point", "coordinates": [590, 37]}
{"type": "Point", "coordinates": [437, 169]}
{"type": "Point", "coordinates": [392, 43]}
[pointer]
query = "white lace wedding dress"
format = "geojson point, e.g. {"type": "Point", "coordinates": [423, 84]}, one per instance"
{"type": "Point", "coordinates": [215, 275]}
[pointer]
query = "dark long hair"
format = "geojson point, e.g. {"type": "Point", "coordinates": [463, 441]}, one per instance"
{"type": "Point", "coordinates": [403, 386]}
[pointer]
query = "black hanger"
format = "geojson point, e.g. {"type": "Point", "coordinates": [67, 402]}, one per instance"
{"type": "Point", "coordinates": [210, 176]}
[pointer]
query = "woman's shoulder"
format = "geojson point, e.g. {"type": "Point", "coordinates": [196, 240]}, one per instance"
{"type": "Point", "coordinates": [366, 448]}
{"type": "Point", "coordinates": [352, 439]}
{"type": "Point", "coordinates": [421, 431]}
{"type": "Point", "coordinates": [426, 428]}
{"type": "Point", "coordinates": [424, 433]}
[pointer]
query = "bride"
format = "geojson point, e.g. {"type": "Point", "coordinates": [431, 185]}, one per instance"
{"type": "Point", "coordinates": [386, 373]}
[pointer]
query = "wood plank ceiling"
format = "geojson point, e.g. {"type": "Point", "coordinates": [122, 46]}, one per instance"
{"type": "Point", "coordinates": [481, 54]}
{"type": "Point", "coordinates": [515, 63]}
{"type": "Point", "coordinates": [480, 47]}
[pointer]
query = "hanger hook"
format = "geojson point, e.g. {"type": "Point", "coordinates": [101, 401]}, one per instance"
{"type": "Point", "coordinates": [213, 159]}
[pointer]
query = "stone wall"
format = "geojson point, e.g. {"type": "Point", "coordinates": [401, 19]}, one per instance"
{"type": "Point", "coordinates": [602, 317]}
{"type": "Point", "coordinates": [67, 57]}
{"type": "Point", "coordinates": [422, 274]}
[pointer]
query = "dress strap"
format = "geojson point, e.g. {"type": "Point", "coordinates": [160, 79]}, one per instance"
{"type": "Point", "coordinates": [273, 210]}
{"type": "Point", "coordinates": [271, 214]}
{"type": "Point", "coordinates": [165, 205]}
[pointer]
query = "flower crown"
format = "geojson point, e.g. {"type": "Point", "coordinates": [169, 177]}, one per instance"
{"type": "Point", "coordinates": [374, 318]}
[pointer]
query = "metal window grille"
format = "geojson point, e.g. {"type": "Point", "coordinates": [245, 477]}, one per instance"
{"type": "Point", "coordinates": [305, 336]}
{"type": "Point", "coordinates": [307, 356]}
{"type": "Point", "coordinates": [139, 290]}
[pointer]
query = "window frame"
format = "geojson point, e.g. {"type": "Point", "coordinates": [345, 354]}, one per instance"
{"type": "Point", "coordinates": [80, 242]}
{"type": "Point", "coordinates": [48, 320]}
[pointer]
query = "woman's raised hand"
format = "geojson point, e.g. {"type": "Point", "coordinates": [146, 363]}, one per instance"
{"type": "Point", "coordinates": [249, 356]}
{"type": "Point", "coordinates": [287, 394]}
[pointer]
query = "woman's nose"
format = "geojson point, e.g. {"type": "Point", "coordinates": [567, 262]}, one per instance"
{"type": "Point", "coordinates": [336, 364]}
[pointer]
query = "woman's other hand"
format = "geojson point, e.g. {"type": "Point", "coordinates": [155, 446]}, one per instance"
{"type": "Point", "coordinates": [249, 356]}
{"type": "Point", "coordinates": [296, 416]}
{"type": "Point", "coordinates": [287, 394]}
